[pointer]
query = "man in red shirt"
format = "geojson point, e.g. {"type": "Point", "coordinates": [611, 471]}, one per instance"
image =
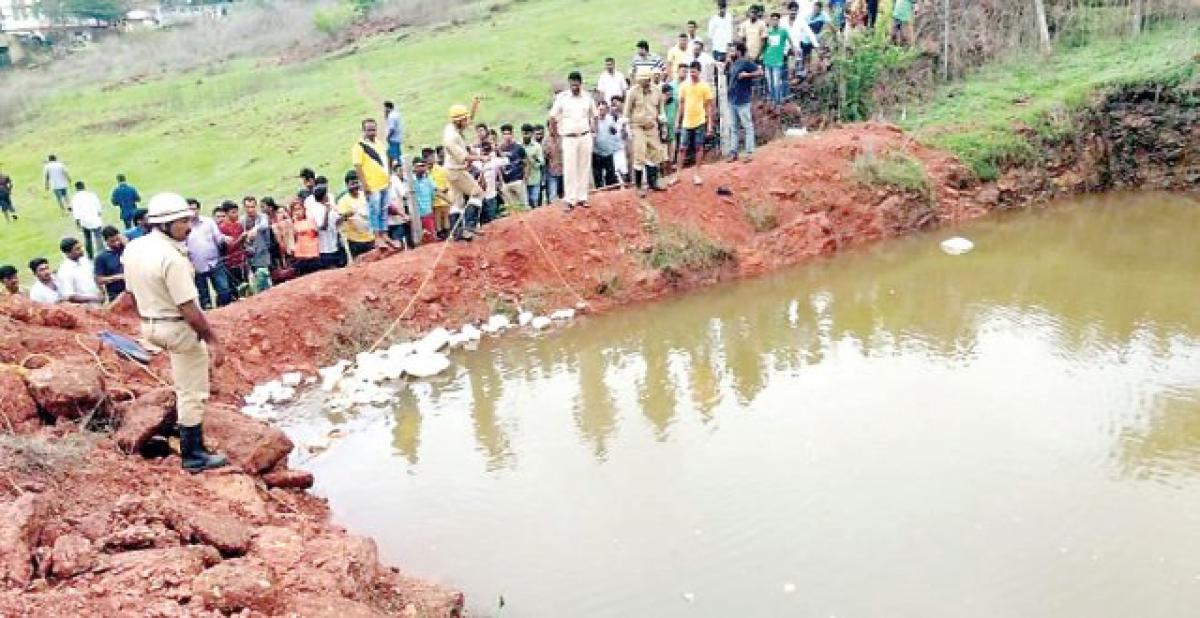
{"type": "Point", "coordinates": [235, 251]}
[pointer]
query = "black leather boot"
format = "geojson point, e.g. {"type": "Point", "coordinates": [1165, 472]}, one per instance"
{"type": "Point", "coordinates": [652, 178]}
{"type": "Point", "coordinates": [195, 457]}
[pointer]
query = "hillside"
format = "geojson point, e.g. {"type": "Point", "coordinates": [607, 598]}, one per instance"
{"type": "Point", "coordinates": [250, 126]}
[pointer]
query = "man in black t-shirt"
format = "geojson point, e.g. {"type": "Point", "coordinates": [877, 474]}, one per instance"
{"type": "Point", "coordinates": [110, 273]}
{"type": "Point", "coordinates": [513, 190]}
{"type": "Point", "coordinates": [741, 75]}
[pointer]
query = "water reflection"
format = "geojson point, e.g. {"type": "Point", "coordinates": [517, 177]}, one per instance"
{"type": "Point", "coordinates": [1031, 409]}
{"type": "Point", "coordinates": [1084, 282]}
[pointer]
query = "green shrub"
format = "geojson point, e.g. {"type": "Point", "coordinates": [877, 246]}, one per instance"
{"type": "Point", "coordinates": [764, 217]}
{"type": "Point", "coordinates": [331, 20]}
{"type": "Point", "coordinates": [677, 247]}
{"type": "Point", "coordinates": [893, 169]}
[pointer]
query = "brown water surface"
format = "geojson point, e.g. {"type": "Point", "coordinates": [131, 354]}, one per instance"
{"type": "Point", "coordinates": [891, 432]}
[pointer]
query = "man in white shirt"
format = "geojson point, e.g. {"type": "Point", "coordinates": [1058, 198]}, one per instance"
{"type": "Point", "coordinates": [57, 180]}
{"type": "Point", "coordinates": [45, 288]}
{"type": "Point", "coordinates": [708, 64]}
{"type": "Point", "coordinates": [320, 211]}
{"type": "Point", "coordinates": [573, 116]}
{"type": "Point", "coordinates": [76, 275]}
{"type": "Point", "coordinates": [800, 33]}
{"type": "Point", "coordinates": [85, 209]}
{"type": "Point", "coordinates": [611, 82]}
{"type": "Point", "coordinates": [720, 31]}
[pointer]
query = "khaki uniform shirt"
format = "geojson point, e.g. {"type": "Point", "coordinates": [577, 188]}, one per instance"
{"type": "Point", "coordinates": [159, 274]}
{"type": "Point", "coordinates": [455, 147]}
{"type": "Point", "coordinates": [573, 114]}
{"type": "Point", "coordinates": [642, 108]}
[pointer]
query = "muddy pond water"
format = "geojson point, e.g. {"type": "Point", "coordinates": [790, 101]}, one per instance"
{"type": "Point", "coordinates": [889, 432]}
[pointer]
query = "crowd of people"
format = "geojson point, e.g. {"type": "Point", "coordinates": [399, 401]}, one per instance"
{"type": "Point", "coordinates": [631, 129]}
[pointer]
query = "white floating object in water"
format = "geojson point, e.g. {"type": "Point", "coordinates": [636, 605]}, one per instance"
{"type": "Point", "coordinates": [563, 314]}
{"type": "Point", "coordinates": [293, 378]}
{"type": "Point", "coordinates": [499, 321]}
{"type": "Point", "coordinates": [426, 365]}
{"type": "Point", "coordinates": [435, 340]}
{"type": "Point", "coordinates": [487, 328]}
{"type": "Point", "coordinates": [470, 332]}
{"type": "Point", "coordinates": [796, 132]}
{"type": "Point", "coordinates": [957, 245]}
{"type": "Point", "coordinates": [540, 322]}
{"type": "Point", "coordinates": [524, 318]}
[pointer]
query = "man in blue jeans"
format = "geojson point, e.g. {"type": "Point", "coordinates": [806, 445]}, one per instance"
{"type": "Point", "coordinates": [742, 73]}
{"type": "Point", "coordinates": [395, 133]}
{"type": "Point", "coordinates": [204, 242]}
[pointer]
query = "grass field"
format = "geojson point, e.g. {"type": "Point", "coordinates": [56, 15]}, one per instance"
{"type": "Point", "coordinates": [975, 118]}
{"type": "Point", "coordinates": [247, 128]}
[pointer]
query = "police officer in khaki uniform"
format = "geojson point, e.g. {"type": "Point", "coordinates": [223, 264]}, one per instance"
{"type": "Point", "coordinates": [163, 286]}
{"type": "Point", "coordinates": [643, 108]}
{"type": "Point", "coordinates": [458, 163]}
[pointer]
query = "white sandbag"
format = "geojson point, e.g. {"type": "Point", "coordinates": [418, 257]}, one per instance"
{"type": "Point", "coordinates": [435, 340]}
{"type": "Point", "coordinates": [426, 365]}
{"type": "Point", "coordinates": [400, 350]}
{"type": "Point", "coordinates": [293, 378]}
{"type": "Point", "coordinates": [540, 322]}
{"type": "Point", "coordinates": [524, 318]}
{"type": "Point", "coordinates": [563, 314]}
{"type": "Point", "coordinates": [796, 132]}
{"type": "Point", "coordinates": [957, 245]}
{"type": "Point", "coordinates": [499, 322]}
{"type": "Point", "coordinates": [470, 332]}
{"type": "Point", "coordinates": [332, 374]}
{"type": "Point", "coordinates": [283, 394]}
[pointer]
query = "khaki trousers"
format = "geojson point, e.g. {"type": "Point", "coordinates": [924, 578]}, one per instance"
{"type": "Point", "coordinates": [462, 186]}
{"type": "Point", "coordinates": [189, 366]}
{"type": "Point", "coordinates": [647, 148]}
{"type": "Point", "coordinates": [577, 168]}
{"type": "Point", "coordinates": [514, 194]}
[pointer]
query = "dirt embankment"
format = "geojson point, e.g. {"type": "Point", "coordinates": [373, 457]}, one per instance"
{"type": "Point", "coordinates": [104, 523]}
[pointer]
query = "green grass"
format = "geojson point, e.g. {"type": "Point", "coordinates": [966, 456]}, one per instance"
{"type": "Point", "coordinates": [248, 127]}
{"type": "Point", "coordinates": [976, 119]}
{"type": "Point", "coordinates": [679, 248]}
{"type": "Point", "coordinates": [894, 169]}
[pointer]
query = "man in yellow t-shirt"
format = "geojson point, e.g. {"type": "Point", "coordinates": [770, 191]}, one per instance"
{"type": "Point", "coordinates": [753, 33]}
{"type": "Point", "coordinates": [441, 186]}
{"type": "Point", "coordinates": [370, 164]}
{"type": "Point", "coordinates": [353, 208]}
{"type": "Point", "coordinates": [680, 53]}
{"type": "Point", "coordinates": [695, 118]}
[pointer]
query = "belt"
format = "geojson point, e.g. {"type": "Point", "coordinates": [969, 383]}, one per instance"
{"type": "Point", "coordinates": [576, 134]}
{"type": "Point", "coordinates": [177, 318]}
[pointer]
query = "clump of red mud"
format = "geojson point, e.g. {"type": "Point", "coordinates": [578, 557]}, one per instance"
{"type": "Point", "coordinates": [114, 527]}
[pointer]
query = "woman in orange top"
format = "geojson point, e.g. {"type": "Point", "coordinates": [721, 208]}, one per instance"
{"type": "Point", "coordinates": [306, 250]}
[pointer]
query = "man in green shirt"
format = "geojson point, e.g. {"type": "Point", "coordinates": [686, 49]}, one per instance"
{"type": "Point", "coordinates": [902, 21]}
{"type": "Point", "coordinates": [535, 160]}
{"type": "Point", "coordinates": [775, 59]}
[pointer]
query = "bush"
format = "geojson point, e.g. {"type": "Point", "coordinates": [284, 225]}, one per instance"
{"type": "Point", "coordinates": [764, 217]}
{"type": "Point", "coordinates": [894, 169]}
{"type": "Point", "coordinates": [677, 247]}
{"type": "Point", "coordinates": [332, 20]}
